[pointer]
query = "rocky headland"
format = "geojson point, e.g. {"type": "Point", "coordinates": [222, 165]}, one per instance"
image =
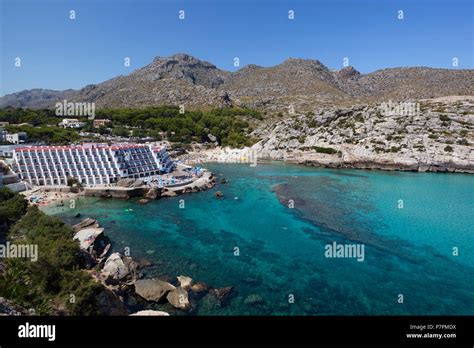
{"type": "Point", "coordinates": [434, 135]}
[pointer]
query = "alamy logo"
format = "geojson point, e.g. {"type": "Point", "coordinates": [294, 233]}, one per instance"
{"type": "Point", "coordinates": [336, 250]}
{"type": "Point", "coordinates": [23, 251]}
{"type": "Point", "coordinates": [37, 331]}
{"type": "Point", "coordinates": [75, 109]}
{"type": "Point", "coordinates": [400, 109]}
{"type": "Point", "coordinates": [246, 156]}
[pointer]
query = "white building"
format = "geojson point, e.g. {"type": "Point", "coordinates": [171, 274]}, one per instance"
{"type": "Point", "coordinates": [16, 138]}
{"type": "Point", "coordinates": [71, 123]}
{"type": "Point", "coordinates": [7, 151]}
{"type": "Point", "coordinates": [90, 164]}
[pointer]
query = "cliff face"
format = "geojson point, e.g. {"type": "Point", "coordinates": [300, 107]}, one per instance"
{"type": "Point", "coordinates": [438, 136]}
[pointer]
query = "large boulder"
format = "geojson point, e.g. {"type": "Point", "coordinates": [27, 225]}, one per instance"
{"type": "Point", "coordinates": [118, 268]}
{"type": "Point", "coordinates": [133, 269]}
{"type": "Point", "coordinates": [153, 289]}
{"type": "Point", "coordinates": [85, 223]}
{"type": "Point", "coordinates": [178, 298]}
{"type": "Point", "coordinates": [114, 267]}
{"type": "Point", "coordinates": [185, 282]}
{"type": "Point", "coordinates": [87, 237]}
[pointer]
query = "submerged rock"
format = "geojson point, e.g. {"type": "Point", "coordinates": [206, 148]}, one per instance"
{"type": "Point", "coordinates": [143, 201]}
{"type": "Point", "coordinates": [219, 194]}
{"type": "Point", "coordinates": [252, 281]}
{"type": "Point", "coordinates": [223, 295]}
{"type": "Point", "coordinates": [253, 299]}
{"type": "Point", "coordinates": [152, 289]}
{"type": "Point", "coordinates": [85, 223]}
{"type": "Point", "coordinates": [199, 290]}
{"type": "Point", "coordinates": [143, 263]}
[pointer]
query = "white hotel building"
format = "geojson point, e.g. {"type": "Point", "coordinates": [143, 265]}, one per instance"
{"type": "Point", "coordinates": [90, 164]}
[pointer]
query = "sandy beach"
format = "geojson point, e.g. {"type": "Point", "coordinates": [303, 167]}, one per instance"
{"type": "Point", "coordinates": [46, 196]}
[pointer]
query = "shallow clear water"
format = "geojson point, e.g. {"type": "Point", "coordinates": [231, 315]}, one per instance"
{"type": "Point", "coordinates": [408, 251]}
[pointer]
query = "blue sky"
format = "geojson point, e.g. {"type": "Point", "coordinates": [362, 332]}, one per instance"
{"type": "Point", "coordinates": [59, 53]}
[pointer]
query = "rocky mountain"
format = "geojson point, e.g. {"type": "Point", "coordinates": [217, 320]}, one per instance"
{"type": "Point", "coordinates": [34, 98]}
{"type": "Point", "coordinates": [299, 84]}
{"type": "Point", "coordinates": [407, 83]}
{"type": "Point", "coordinates": [177, 80]}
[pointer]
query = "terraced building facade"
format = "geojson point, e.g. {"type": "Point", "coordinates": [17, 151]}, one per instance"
{"type": "Point", "coordinates": [90, 164]}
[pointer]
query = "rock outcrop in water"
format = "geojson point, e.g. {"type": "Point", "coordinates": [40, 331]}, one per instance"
{"type": "Point", "coordinates": [185, 282]}
{"type": "Point", "coordinates": [178, 298]}
{"type": "Point", "coordinates": [153, 289]}
{"type": "Point", "coordinates": [90, 223]}
{"type": "Point", "coordinates": [223, 295]}
{"type": "Point", "coordinates": [120, 269]}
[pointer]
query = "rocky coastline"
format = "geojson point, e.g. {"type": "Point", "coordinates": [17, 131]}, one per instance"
{"type": "Point", "coordinates": [47, 196]}
{"type": "Point", "coordinates": [127, 291]}
{"type": "Point", "coordinates": [388, 165]}
{"type": "Point", "coordinates": [335, 162]}
{"type": "Point", "coordinates": [128, 188]}
{"type": "Point", "coordinates": [436, 136]}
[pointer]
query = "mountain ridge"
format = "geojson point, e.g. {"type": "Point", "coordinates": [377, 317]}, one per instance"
{"type": "Point", "coordinates": [182, 79]}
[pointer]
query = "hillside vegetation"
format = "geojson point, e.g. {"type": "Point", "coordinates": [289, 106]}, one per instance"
{"type": "Point", "coordinates": [45, 285]}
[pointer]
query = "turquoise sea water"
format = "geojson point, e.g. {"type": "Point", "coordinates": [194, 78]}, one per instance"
{"type": "Point", "coordinates": [408, 251]}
